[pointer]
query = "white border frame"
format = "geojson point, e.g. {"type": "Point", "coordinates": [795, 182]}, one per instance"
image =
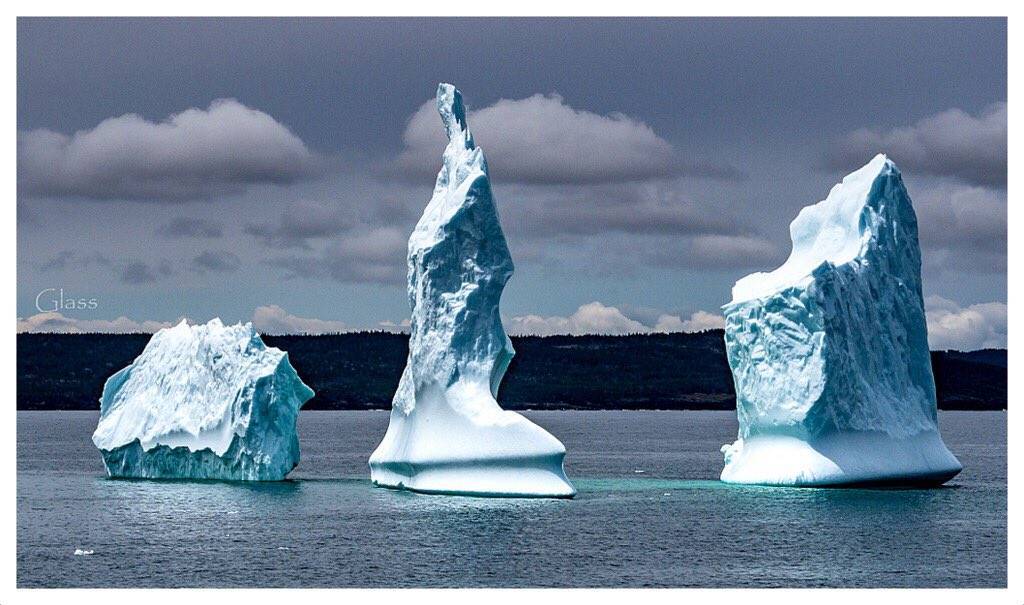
{"type": "Point", "coordinates": [1013, 595]}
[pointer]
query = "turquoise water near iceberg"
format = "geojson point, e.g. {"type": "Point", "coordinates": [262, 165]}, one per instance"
{"type": "Point", "coordinates": [650, 512]}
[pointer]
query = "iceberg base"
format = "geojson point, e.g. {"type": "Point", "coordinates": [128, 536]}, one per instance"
{"type": "Point", "coordinates": [534, 477]}
{"type": "Point", "coordinates": [131, 461]}
{"type": "Point", "coordinates": [851, 459]}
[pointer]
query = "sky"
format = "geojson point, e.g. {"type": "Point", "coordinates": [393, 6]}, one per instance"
{"type": "Point", "coordinates": [271, 170]}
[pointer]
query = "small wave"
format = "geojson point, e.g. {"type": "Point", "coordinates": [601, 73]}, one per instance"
{"type": "Point", "coordinates": [82, 553]}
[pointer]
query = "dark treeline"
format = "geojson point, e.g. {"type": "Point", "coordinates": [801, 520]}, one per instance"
{"type": "Point", "coordinates": [361, 370]}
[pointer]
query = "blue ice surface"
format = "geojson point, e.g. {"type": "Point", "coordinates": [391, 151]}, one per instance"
{"type": "Point", "coordinates": [447, 434]}
{"type": "Point", "coordinates": [829, 352]}
{"type": "Point", "coordinates": [202, 402]}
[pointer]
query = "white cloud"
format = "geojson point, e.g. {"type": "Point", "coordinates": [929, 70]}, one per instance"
{"type": "Point", "coordinates": [597, 318]}
{"type": "Point", "coordinates": [952, 143]}
{"type": "Point", "coordinates": [977, 326]}
{"type": "Point", "coordinates": [272, 319]}
{"type": "Point", "coordinates": [268, 319]}
{"type": "Point", "coordinates": [55, 322]}
{"type": "Point", "coordinates": [389, 326]}
{"type": "Point", "coordinates": [698, 322]}
{"type": "Point", "coordinates": [541, 139]}
{"type": "Point", "coordinates": [591, 318]}
{"type": "Point", "coordinates": [195, 154]}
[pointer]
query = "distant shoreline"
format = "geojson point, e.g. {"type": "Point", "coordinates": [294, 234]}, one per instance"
{"type": "Point", "coordinates": [360, 371]}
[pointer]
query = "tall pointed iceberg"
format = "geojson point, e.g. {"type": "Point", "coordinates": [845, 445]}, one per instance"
{"type": "Point", "coordinates": [829, 352]}
{"type": "Point", "coordinates": [202, 402]}
{"type": "Point", "coordinates": [447, 432]}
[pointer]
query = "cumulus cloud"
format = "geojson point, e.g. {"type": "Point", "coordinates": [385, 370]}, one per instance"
{"type": "Point", "coordinates": [542, 140]}
{"type": "Point", "coordinates": [591, 318]}
{"type": "Point", "coordinates": [698, 322]}
{"type": "Point", "coordinates": [55, 322]}
{"type": "Point", "coordinates": [952, 143]}
{"type": "Point", "coordinates": [195, 154]}
{"type": "Point", "coordinates": [191, 227]}
{"type": "Point", "coordinates": [272, 319]}
{"type": "Point", "coordinates": [978, 326]}
{"type": "Point", "coordinates": [597, 318]}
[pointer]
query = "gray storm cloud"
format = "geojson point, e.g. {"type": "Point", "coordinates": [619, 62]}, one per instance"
{"type": "Point", "coordinates": [303, 220]}
{"type": "Point", "coordinates": [962, 226]}
{"type": "Point", "coordinates": [195, 154]}
{"type": "Point", "coordinates": [375, 255]}
{"type": "Point", "coordinates": [184, 227]}
{"type": "Point", "coordinates": [139, 272]}
{"type": "Point", "coordinates": [542, 140]}
{"type": "Point", "coordinates": [952, 143]}
{"type": "Point", "coordinates": [217, 262]}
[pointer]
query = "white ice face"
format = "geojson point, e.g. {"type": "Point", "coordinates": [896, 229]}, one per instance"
{"type": "Point", "coordinates": [828, 231]}
{"type": "Point", "coordinates": [447, 432]}
{"type": "Point", "coordinates": [207, 401]}
{"type": "Point", "coordinates": [829, 352]}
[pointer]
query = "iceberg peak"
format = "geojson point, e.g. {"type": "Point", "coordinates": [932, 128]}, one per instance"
{"type": "Point", "coordinates": [453, 114]}
{"type": "Point", "coordinates": [831, 231]}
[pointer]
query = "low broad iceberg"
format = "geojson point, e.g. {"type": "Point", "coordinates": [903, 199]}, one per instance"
{"type": "Point", "coordinates": [447, 432]}
{"type": "Point", "coordinates": [829, 352]}
{"type": "Point", "coordinates": [202, 402]}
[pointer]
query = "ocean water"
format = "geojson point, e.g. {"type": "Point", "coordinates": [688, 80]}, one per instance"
{"type": "Point", "coordinates": [650, 512]}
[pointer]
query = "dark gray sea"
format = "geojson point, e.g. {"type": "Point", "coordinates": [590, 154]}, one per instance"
{"type": "Point", "coordinates": [650, 512]}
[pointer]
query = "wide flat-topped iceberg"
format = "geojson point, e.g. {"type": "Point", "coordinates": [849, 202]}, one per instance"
{"type": "Point", "coordinates": [202, 402]}
{"type": "Point", "coordinates": [447, 432]}
{"type": "Point", "coordinates": [829, 352]}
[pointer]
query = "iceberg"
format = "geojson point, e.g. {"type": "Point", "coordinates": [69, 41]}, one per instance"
{"type": "Point", "coordinates": [829, 352]}
{"type": "Point", "coordinates": [447, 433]}
{"type": "Point", "coordinates": [202, 402]}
